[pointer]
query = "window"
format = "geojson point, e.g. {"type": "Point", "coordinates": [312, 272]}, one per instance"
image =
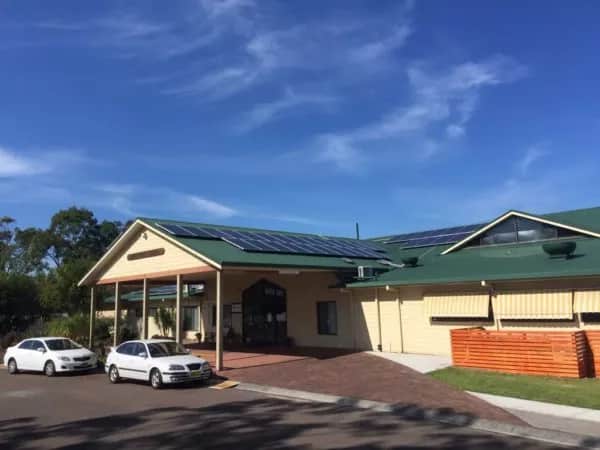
{"type": "Point", "coordinates": [26, 345]}
{"type": "Point", "coordinates": [35, 345]}
{"type": "Point", "coordinates": [61, 344]}
{"type": "Point", "coordinates": [327, 317]}
{"type": "Point", "coordinates": [226, 316]}
{"type": "Point", "coordinates": [518, 229]}
{"type": "Point", "coordinates": [138, 348]}
{"type": "Point", "coordinates": [126, 349]}
{"type": "Point", "coordinates": [590, 317]}
{"type": "Point", "coordinates": [190, 318]}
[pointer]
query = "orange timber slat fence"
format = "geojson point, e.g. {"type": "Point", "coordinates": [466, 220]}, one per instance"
{"type": "Point", "coordinates": [593, 339]}
{"type": "Point", "coordinates": [562, 353]}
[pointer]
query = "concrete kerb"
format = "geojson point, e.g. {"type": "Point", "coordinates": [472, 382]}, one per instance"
{"type": "Point", "coordinates": [413, 412]}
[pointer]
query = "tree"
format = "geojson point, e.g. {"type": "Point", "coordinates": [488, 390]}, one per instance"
{"type": "Point", "coordinates": [6, 238]}
{"type": "Point", "coordinates": [30, 248]}
{"type": "Point", "coordinates": [59, 291]}
{"type": "Point", "coordinates": [165, 320]}
{"type": "Point", "coordinates": [19, 303]}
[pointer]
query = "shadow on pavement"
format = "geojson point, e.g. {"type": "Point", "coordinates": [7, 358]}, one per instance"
{"type": "Point", "coordinates": [265, 423]}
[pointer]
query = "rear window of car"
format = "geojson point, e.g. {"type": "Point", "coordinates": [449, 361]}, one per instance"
{"type": "Point", "coordinates": [26, 345]}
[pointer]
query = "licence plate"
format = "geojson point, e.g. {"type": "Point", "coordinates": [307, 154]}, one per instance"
{"type": "Point", "coordinates": [196, 373]}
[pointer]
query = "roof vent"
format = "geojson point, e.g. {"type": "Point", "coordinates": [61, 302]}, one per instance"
{"type": "Point", "coordinates": [557, 249]}
{"type": "Point", "coordinates": [410, 261]}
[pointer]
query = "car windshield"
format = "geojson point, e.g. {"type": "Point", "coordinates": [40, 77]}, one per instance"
{"type": "Point", "coordinates": [61, 344]}
{"type": "Point", "coordinates": [160, 349]}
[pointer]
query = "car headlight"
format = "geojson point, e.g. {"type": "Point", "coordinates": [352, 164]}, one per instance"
{"type": "Point", "coordinates": [205, 365]}
{"type": "Point", "coordinates": [176, 367]}
{"type": "Point", "coordinates": [64, 358]}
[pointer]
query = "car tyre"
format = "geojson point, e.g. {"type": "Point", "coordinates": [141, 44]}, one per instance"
{"type": "Point", "coordinates": [49, 369]}
{"type": "Point", "coordinates": [12, 367]}
{"type": "Point", "coordinates": [113, 374]}
{"type": "Point", "coordinates": [156, 379]}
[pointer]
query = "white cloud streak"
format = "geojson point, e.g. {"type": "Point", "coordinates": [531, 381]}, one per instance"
{"type": "Point", "coordinates": [264, 113]}
{"type": "Point", "coordinates": [13, 165]}
{"type": "Point", "coordinates": [532, 154]}
{"type": "Point", "coordinates": [449, 97]}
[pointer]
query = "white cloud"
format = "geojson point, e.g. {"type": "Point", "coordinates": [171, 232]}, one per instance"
{"type": "Point", "coordinates": [210, 207]}
{"type": "Point", "coordinates": [532, 155]}
{"type": "Point", "coordinates": [449, 97]}
{"type": "Point", "coordinates": [137, 200]}
{"type": "Point", "coordinates": [378, 48]}
{"type": "Point", "coordinates": [264, 113]}
{"type": "Point", "coordinates": [13, 165]}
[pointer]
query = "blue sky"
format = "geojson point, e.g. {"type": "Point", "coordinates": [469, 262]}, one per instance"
{"type": "Point", "coordinates": [305, 116]}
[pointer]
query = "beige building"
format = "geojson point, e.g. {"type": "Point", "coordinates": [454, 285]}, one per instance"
{"type": "Point", "coordinates": [399, 293]}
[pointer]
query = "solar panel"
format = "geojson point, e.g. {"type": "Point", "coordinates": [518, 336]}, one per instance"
{"type": "Point", "coordinates": [433, 237]}
{"type": "Point", "coordinates": [271, 242]}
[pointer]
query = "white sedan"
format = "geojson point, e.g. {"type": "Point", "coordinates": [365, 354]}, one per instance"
{"type": "Point", "coordinates": [158, 361]}
{"type": "Point", "coordinates": [49, 355]}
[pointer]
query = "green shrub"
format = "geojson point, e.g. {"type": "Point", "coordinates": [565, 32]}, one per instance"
{"type": "Point", "coordinates": [76, 327]}
{"type": "Point", "coordinates": [165, 320]}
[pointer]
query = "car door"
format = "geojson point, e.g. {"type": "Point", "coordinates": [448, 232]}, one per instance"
{"type": "Point", "coordinates": [139, 362]}
{"type": "Point", "coordinates": [22, 355]}
{"type": "Point", "coordinates": [37, 355]}
{"type": "Point", "coordinates": [123, 359]}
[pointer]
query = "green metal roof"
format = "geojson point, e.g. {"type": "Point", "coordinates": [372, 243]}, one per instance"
{"type": "Point", "coordinates": [228, 255]}
{"type": "Point", "coordinates": [469, 264]}
{"type": "Point", "coordinates": [499, 262]}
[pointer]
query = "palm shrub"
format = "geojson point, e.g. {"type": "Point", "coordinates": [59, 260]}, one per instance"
{"type": "Point", "coordinates": [165, 320]}
{"type": "Point", "coordinates": [76, 327]}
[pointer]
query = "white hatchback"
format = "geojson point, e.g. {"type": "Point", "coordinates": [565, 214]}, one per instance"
{"type": "Point", "coordinates": [49, 355]}
{"type": "Point", "coordinates": [158, 361]}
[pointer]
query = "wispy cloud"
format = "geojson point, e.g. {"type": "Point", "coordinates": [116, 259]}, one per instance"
{"type": "Point", "coordinates": [531, 156]}
{"type": "Point", "coordinates": [210, 207]}
{"type": "Point", "coordinates": [13, 165]}
{"type": "Point", "coordinates": [20, 163]}
{"type": "Point", "coordinates": [448, 97]}
{"type": "Point", "coordinates": [264, 113]}
{"type": "Point", "coordinates": [131, 200]}
{"type": "Point", "coordinates": [375, 49]}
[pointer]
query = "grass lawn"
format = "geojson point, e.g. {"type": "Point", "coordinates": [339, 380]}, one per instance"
{"type": "Point", "coordinates": [584, 393]}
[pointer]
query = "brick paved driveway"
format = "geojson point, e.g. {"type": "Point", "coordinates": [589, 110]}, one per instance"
{"type": "Point", "coordinates": [87, 412]}
{"type": "Point", "coordinates": [357, 375]}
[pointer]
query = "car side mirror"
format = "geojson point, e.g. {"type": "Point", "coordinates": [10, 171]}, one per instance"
{"type": "Point", "coordinates": [41, 349]}
{"type": "Point", "coordinates": [143, 355]}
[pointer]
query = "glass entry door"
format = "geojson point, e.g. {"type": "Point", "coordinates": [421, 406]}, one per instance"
{"type": "Point", "coordinates": [264, 314]}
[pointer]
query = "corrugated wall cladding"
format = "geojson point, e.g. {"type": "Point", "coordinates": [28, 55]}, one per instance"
{"type": "Point", "coordinates": [561, 354]}
{"type": "Point", "coordinates": [593, 340]}
{"type": "Point", "coordinates": [587, 301]}
{"type": "Point", "coordinates": [458, 305]}
{"type": "Point", "coordinates": [534, 305]}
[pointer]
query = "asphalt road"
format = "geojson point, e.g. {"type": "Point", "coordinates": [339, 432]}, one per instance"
{"type": "Point", "coordinates": [86, 411]}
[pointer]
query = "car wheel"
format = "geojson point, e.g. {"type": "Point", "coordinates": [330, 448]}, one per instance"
{"type": "Point", "coordinates": [12, 367]}
{"type": "Point", "coordinates": [156, 379]}
{"type": "Point", "coordinates": [113, 375]}
{"type": "Point", "coordinates": [49, 369]}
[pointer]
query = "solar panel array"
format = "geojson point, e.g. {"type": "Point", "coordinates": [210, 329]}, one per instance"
{"type": "Point", "coordinates": [433, 237]}
{"type": "Point", "coordinates": [271, 242]}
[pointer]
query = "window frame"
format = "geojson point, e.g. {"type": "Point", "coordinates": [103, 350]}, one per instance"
{"type": "Point", "coordinates": [327, 332]}
{"type": "Point", "coordinates": [196, 318]}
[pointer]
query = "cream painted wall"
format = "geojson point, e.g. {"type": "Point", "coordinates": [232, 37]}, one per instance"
{"type": "Point", "coordinates": [422, 335]}
{"type": "Point", "coordinates": [173, 258]}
